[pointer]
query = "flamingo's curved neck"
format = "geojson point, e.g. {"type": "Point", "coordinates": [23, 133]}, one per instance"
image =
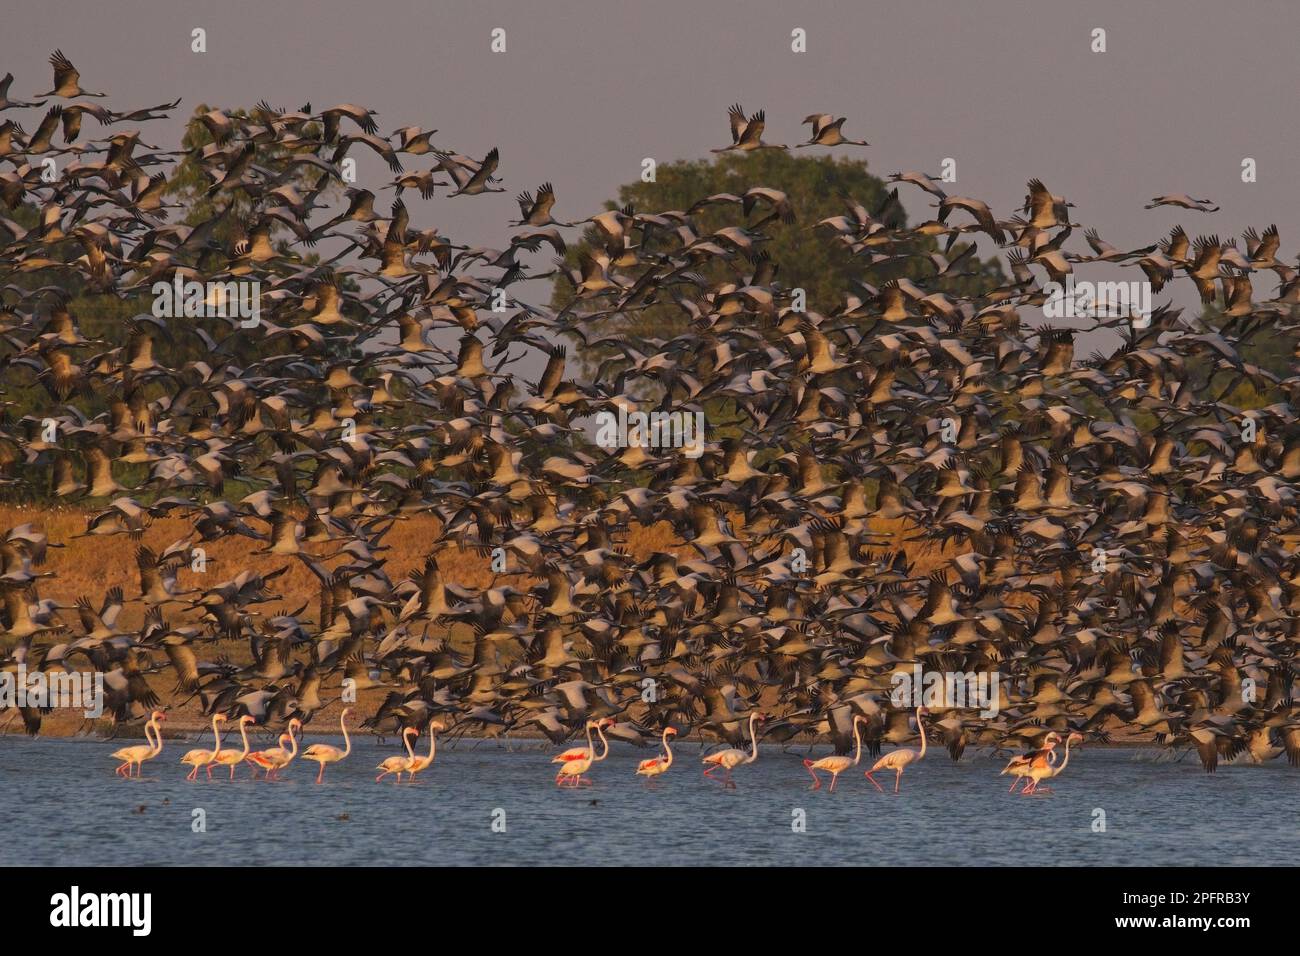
{"type": "Point", "coordinates": [920, 725]}
{"type": "Point", "coordinates": [155, 745]}
{"type": "Point", "coordinates": [293, 744]}
{"type": "Point", "coordinates": [243, 736]}
{"type": "Point", "coordinates": [347, 741]}
{"type": "Point", "coordinates": [216, 739]}
{"type": "Point", "coordinates": [753, 740]}
{"type": "Point", "coordinates": [857, 740]}
{"type": "Point", "coordinates": [604, 752]}
{"type": "Point", "coordinates": [406, 739]}
{"type": "Point", "coordinates": [1065, 760]}
{"type": "Point", "coordinates": [432, 743]}
{"type": "Point", "coordinates": [668, 752]}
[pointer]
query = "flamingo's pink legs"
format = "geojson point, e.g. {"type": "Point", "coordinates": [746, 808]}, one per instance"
{"type": "Point", "coordinates": [834, 777]}
{"type": "Point", "coordinates": [817, 781]}
{"type": "Point", "coordinates": [897, 779]}
{"type": "Point", "coordinates": [873, 782]}
{"type": "Point", "coordinates": [320, 773]}
{"type": "Point", "coordinates": [192, 774]}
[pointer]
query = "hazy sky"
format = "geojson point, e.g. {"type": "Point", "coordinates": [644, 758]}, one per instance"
{"type": "Point", "coordinates": [586, 89]}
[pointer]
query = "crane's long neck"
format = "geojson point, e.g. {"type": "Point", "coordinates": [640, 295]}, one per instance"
{"type": "Point", "coordinates": [753, 740]}
{"type": "Point", "coordinates": [668, 752]}
{"type": "Point", "coordinates": [604, 743]}
{"type": "Point", "coordinates": [347, 741]}
{"type": "Point", "coordinates": [857, 740]}
{"type": "Point", "coordinates": [920, 725]}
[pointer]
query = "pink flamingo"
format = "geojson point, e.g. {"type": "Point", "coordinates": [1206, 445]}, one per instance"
{"type": "Point", "coordinates": [136, 756]}
{"type": "Point", "coordinates": [1042, 769]}
{"type": "Point", "coordinates": [837, 763]}
{"type": "Point", "coordinates": [399, 765]}
{"type": "Point", "coordinates": [731, 757]}
{"type": "Point", "coordinates": [898, 760]}
{"type": "Point", "coordinates": [658, 765]}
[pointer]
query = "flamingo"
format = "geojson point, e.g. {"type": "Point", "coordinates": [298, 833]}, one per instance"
{"type": "Point", "coordinates": [897, 760]}
{"type": "Point", "coordinates": [578, 753]}
{"type": "Point", "coordinates": [276, 759]}
{"type": "Point", "coordinates": [730, 758]}
{"type": "Point", "coordinates": [233, 758]}
{"type": "Point", "coordinates": [204, 758]}
{"type": "Point", "coordinates": [837, 763]}
{"type": "Point", "coordinates": [257, 759]}
{"type": "Point", "coordinates": [421, 763]}
{"type": "Point", "coordinates": [325, 753]}
{"type": "Point", "coordinates": [658, 765]}
{"type": "Point", "coordinates": [574, 769]}
{"type": "Point", "coordinates": [1043, 770]}
{"type": "Point", "coordinates": [1019, 765]}
{"type": "Point", "coordinates": [398, 765]}
{"type": "Point", "coordinates": [136, 756]}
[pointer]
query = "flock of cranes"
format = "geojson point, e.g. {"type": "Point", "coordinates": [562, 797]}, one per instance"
{"type": "Point", "coordinates": [908, 474]}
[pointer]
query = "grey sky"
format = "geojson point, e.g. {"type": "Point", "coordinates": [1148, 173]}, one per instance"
{"type": "Point", "coordinates": [1008, 89]}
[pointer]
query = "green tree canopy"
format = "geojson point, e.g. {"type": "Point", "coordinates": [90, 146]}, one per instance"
{"type": "Point", "coordinates": [805, 255]}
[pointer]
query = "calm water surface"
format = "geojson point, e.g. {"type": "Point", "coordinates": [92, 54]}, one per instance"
{"type": "Point", "coordinates": [63, 805]}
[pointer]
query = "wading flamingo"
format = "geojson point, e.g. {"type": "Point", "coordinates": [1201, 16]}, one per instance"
{"type": "Point", "coordinates": [580, 753]}
{"type": "Point", "coordinates": [574, 769]}
{"type": "Point", "coordinates": [1043, 770]}
{"type": "Point", "coordinates": [1019, 765]}
{"type": "Point", "coordinates": [897, 760]}
{"type": "Point", "coordinates": [204, 758]}
{"type": "Point", "coordinates": [730, 758]}
{"type": "Point", "coordinates": [257, 759]}
{"type": "Point", "coordinates": [233, 758]}
{"type": "Point", "coordinates": [837, 763]}
{"type": "Point", "coordinates": [136, 756]}
{"type": "Point", "coordinates": [325, 753]}
{"type": "Point", "coordinates": [657, 765]}
{"type": "Point", "coordinates": [419, 763]}
{"type": "Point", "coordinates": [277, 758]}
{"type": "Point", "coordinates": [399, 765]}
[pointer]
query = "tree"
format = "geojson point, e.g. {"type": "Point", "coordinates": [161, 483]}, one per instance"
{"type": "Point", "coordinates": [807, 257]}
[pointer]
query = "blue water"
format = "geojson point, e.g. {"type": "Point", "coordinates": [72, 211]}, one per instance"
{"type": "Point", "coordinates": [64, 806]}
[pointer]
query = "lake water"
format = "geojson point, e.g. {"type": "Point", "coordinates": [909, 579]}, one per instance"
{"type": "Point", "coordinates": [63, 805]}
